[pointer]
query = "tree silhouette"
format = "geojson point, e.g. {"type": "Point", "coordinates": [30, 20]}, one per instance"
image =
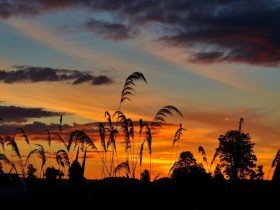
{"type": "Point", "coordinates": [145, 176]}
{"type": "Point", "coordinates": [31, 170]}
{"type": "Point", "coordinates": [185, 164]}
{"type": "Point", "coordinates": [236, 154]}
{"type": "Point", "coordinates": [75, 174]}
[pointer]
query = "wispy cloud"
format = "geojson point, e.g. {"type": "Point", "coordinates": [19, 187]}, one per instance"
{"type": "Point", "coordinates": [54, 40]}
{"type": "Point", "coordinates": [31, 74]}
{"type": "Point", "coordinates": [210, 31]}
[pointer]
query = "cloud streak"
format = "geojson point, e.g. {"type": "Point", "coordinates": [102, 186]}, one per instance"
{"type": "Point", "coordinates": [22, 114]}
{"type": "Point", "coordinates": [210, 31]}
{"type": "Point", "coordinates": [31, 74]}
{"type": "Point", "coordinates": [111, 31]}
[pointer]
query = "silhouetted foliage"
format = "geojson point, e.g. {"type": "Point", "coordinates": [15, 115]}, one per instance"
{"type": "Point", "coordinates": [236, 155]}
{"type": "Point", "coordinates": [257, 174]}
{"type": "Point", "coordinates": [145, 176]}
{"type": "Point", "coordinates": [52, 174]}
{"type": "Point", "coordinates": [75, 174]}
{"type": "Point", "coordinates": [31, 170]}
{"type": "Point", "coordinates": [186, 164]}
{"type": "Point", "coordinates": [190, 179]}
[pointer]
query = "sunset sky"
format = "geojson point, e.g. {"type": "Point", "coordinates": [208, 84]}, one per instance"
{"type": "Point", "coordinates": [216, 61]}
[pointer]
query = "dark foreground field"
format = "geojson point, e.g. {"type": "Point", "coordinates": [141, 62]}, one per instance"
{"type": "Point", "coordinates": [164, 193]}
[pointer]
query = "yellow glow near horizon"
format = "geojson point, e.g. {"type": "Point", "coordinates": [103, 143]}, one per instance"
{"type": "Point", "coordinates": [163, 155]}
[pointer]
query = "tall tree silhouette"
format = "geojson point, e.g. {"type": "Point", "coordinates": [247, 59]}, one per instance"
{"type": "Point", "coordinates": [185, 164]}
{"type": "Point", "coordinates": [236, 154]}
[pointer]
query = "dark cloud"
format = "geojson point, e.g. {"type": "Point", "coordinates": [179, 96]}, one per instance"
{"type": "Point", "coordinates": [242, 31]}
{"type": "Point", "coordinates": [29, 74]}
{"type": "Point", "coordinates": [113, 31]}
{"type": "Point", "coordinates": [22, 114]}
{"type": "Point", "coordinates": [33, 128]}
{"type": "Point", "coordinates": [100, 80]}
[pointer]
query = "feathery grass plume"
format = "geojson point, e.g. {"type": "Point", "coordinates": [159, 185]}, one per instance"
{"type": "Point", "coordinates": [176, 139]}
{"type": "Point", "coordinates": [148, 138]}
{"type": "Point", "coordinates": [49, 137]}
{"type": "Point", "coordinates": [127, 128]}
{"type": "Point", "coordinates": [41, 154]}
{"type": "Point", "coordinates": [23, 135]}
{"type": "Point", "coordinates": [113, 132]}
{"type": "Point", "coordinates": [102, 133]}
{"type": "Point", "coordinates": [60, 124]}
{"type": "Point", "coordinates": [141, 152]}
{"type": "Point", "coordinates": [274, 162]}
{"type": "Point", "coordinates": [123, 165]}
{"type": "Point", "coordinates": [276, 159]}
{"type": "Point", "coordinates": [178, 134]}
{"type": "Point", "coordinates": [214, 158]}
{"type": "Point", "coordinates": [203, 153]}
{"type": "Point", "coordinates": [84, 139]}
{"type": "Point", "coordinates": [62, 158]}
{"type": "Point", "coordinates": [6, 160]}
{"type": "Point", "coordinates": [126, 124]}
{"type": "Point", "coordinates": [60, 139]}
{"type": "Point", "coordinates": [107, 114]}
{"type": "Point", "coordinates": [128, 89]}
{"type": "Point", "coordinates": [112, 138]}
{"type": "Point", "coordinates": [79, 137]}
{"type": "Point", "coordinates": [11, 142]}
{"type": "Point", "coordinates": [159, 118]}
{"type": "Point", "coordinates": [112, 141]}
{"type": "Point", "coordinates": [72, 139]}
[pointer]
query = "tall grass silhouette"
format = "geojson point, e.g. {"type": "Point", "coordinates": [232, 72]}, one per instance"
{"type": "Point", "coordinates": [109, 133]}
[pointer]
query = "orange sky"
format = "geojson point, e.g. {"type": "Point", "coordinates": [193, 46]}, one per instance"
{"type": "Point", "coordinates": [163, 153]}
{"type": "Point", "coordinates": [72, 58]}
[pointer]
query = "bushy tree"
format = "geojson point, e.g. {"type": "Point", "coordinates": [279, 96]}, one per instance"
{"type": "Point", "coordinates": [235, 151]}
{"type": "Point", "coordinates": [145, 176]}
{"type": "Point", "coordinates": [31, 170]}
{"type": "Point", "coordinates": [75, 174]}
{"type": "Point", "coordinates": [186, 165]}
